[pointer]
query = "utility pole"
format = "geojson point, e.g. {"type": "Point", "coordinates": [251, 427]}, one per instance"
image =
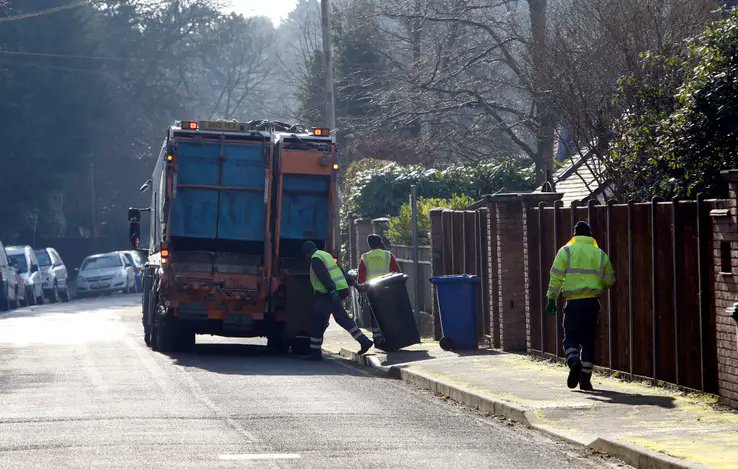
{"type": "Point", "coordinates": [93, 203]}
{"type": "Point", "coordinates": [330, 109]}
{"type": "Point", "coordinates": [330, 101]}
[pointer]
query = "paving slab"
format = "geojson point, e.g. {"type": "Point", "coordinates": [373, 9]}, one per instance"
{"type": "Point", "coordinates": [645, 425]}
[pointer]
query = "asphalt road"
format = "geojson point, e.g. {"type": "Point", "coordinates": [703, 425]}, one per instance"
{"type": "Point", "coordinates": [78, 388]}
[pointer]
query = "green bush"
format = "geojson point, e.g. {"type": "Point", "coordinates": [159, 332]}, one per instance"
{"type": "Point", "coordinates": [401, 228]}
{"type": "Point", "coordinates": [379, 188]}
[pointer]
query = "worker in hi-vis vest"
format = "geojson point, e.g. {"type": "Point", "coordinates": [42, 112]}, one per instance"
{"type": "Point", "coordinates": [377, 262]}
{"type": "Point", "coordinates": [581, 272]}
{"type": "Point", "coordinates": [373, 264]}
{"type": "Point", "coordinates": [330, 286]}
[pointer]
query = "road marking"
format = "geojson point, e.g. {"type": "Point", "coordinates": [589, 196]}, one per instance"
{"type": "Point", "coordinates": [257, 457]}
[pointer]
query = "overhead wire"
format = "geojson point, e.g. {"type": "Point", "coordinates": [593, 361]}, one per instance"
{"type": "Point", "coordinates": [47, 11]}
{"type": "Point", "coordinates": [70, 56]}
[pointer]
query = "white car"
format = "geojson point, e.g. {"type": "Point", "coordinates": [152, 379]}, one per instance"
{"type": "Point", "coordinates": [53, 274]}
{"type": "Point", "coordinates": [105, 273]}
{"type": "Point", "coordinates": [24, 260]}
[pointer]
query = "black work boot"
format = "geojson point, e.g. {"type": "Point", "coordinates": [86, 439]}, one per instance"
{"type": "Point", "coordinates": [585, 382]}
{"type": "Point", "coordinates": [575, 374]}
{"type": "Point", "coordinates": [366, 344]}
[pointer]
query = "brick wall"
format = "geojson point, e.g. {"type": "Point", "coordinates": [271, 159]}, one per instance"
{"type": "Point", "coordinates": [511, 273]}
{"type": "Point", "coordinates": [725, 249]}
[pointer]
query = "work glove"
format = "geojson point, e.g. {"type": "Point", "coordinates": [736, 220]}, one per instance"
{"type": "Point", "coordinates": [335, 296]}
{"type": "Point", "coordinates": [551, 307]}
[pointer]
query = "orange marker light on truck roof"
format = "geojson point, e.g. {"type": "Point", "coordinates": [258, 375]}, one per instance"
{"type": "Point", "coordinates": [318, 132]}
{"type": "Point", "coordinates": [190, 125]}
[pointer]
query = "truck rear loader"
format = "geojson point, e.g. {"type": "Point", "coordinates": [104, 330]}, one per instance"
{"type": "Point", "coordinates": [231, 205]}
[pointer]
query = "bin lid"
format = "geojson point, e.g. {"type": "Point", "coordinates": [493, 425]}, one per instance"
{"type": "Point", "coordinates": [454, 279]}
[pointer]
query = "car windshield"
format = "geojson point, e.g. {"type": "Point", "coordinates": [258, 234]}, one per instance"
{"type": "Point", "coordinates": [44, 260]}
{"type": "Point", "coordinates": [20, 262]}
{"type": "Point", "coordinates": [103, 262]}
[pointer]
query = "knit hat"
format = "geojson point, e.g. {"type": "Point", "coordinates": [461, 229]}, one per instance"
{"type": "Point", "coordinates": [582, 229]}
{"type": "Point", "coordinates": [375, 241]}
{"type": "Point", "coordinates": [308, 248]}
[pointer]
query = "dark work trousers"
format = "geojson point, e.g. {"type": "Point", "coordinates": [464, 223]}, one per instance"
{"type": "Point", "coordinates": [323, 307]}
{"type": "Point", "coordinates": [580, 327]}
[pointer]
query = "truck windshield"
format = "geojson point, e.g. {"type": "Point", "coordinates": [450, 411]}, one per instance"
{"type": "Point", "coordinates": [19, 260]}
{"type": "Point", "coordinates": [44, 260]}
{"type": "Point", "coordinates": [104, 262]}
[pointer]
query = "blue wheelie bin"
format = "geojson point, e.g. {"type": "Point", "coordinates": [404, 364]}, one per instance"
{"type": "Point", "coordinates": [457, 300]}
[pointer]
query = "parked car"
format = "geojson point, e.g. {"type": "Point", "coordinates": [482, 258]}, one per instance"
{"type": "Point", "coordinates": [53, 274]}
{"type": "Point", "coordinates": [8, 283]}
{"type": "Point", "coordinates": [24, 260]}
{"type": "Point", "coordinates": [139, 261]}
{"type": "Point", "coordinates": [23, 295]}
{"type": "Point", "coordinates": [105, 273]}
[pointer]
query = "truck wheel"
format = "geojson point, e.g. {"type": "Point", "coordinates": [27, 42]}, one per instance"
{"type": "Point", "coordinates": [185, 338]}
{"type": "Point", "coordinates": [154, 336]}
{"type": "Point", "coordinates": [165, 335]}
{"type": "Point", "coordinates": [278, 342]}
{"type": "Point", "coordinates": [5, 302]}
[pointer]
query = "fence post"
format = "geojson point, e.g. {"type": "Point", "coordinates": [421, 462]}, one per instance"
{"type": "Point", "coordinates": [610, 296]}
{"type": "Point", "coordinates": [654, 291]}
{"type": "Point", "coordinates": [630, 286]}
{"type": "Point", "coordinates": [437, 262]}
{"type": "Point", "coordinates": [702, 276]}
{"type": "Point", "coordinates": [416, 263]}
{"type": "Point", "coordinates": [675, 242]}
{"type": "Point", "coordinates": [557, 244]}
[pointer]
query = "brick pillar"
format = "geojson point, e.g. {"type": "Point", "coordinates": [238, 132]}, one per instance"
{"type": "Point", "coordinates": [362, 228]}
{"type": "Point", "coordinates": [380, 227]}
{"type": "Point", "coordinates": [725, 249]}
{"type": "Point", "coordinates": [510, 271]}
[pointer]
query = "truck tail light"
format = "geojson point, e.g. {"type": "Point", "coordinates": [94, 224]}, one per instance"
{"type": "Point", "coordinates": [164, 253]}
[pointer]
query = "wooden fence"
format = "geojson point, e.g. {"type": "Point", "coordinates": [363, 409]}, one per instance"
{"type": "Point", "coordinates": [658, 320]}
{"type": "Point", "coordinates": [461, 246]}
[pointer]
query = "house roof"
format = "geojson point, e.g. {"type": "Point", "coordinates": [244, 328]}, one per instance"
{"type": "Point", "coordinates": [581, 180]}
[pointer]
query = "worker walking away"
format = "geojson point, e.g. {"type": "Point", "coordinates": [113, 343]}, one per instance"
{"type": "Point", "coordinates": [373, 264]}
{"type": "Point", "coordinates": [330, 286]}
{"type": "Point", "coordinates": [581, 272]}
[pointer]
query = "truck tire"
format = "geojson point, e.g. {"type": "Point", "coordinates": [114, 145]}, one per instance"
{"type": "Point", "coordinates": [166, 334]}
{"type": "Point", "coordinates": [185, 340]}
{"type": "Point", "coordinates": [277, 341]}
{"type": "Point", "coordinates": [5, 302]}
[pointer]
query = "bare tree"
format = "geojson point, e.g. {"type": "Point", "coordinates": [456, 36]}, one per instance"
{"type": "Point", "coordinates": [238, 64]}
{"type": "Point", "coordinates": [593, 43]}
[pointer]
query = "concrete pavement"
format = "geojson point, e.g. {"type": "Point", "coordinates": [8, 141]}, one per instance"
{"type": "Point", "coordinates": [643, 425]}
{"type": "Point", "coordinates": [79, 389]}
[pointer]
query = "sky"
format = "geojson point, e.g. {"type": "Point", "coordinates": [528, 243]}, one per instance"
{"type": "Point", "coordinates": [276, 10]}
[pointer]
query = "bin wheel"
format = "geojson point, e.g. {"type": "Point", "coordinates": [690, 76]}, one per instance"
{"type": "Point", "coordinates": [446, 344]}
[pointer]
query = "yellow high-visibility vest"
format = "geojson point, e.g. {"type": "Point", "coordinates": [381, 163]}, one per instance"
{"type": "Point", "coordinates": [333, 270]}
{"type": "Point", "coordinates": [377, 263]}
{"type": "Point", "coordinates": [580, 270]}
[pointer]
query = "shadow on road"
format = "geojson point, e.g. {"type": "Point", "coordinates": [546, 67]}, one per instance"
{"type": "Point", "coordinates": [614, 397]}
{"type": "Point", "coordinates": [252, 359]}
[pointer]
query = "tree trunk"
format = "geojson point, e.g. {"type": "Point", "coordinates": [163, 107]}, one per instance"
{"type": "Point", "coordinates": [543, 108]}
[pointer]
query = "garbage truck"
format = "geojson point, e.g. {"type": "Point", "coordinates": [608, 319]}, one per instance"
{"type": "Point", "coordinates": [231, 205]}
